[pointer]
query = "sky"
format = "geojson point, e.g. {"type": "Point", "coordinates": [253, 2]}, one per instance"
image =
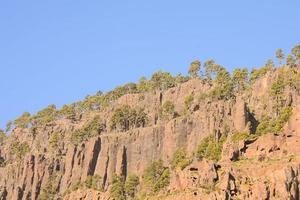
{"type": "Point", "coordinates": [59, 51]}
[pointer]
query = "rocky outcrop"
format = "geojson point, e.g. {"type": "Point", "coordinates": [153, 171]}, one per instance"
{"type": "Point", "coordinates": [266, 167]}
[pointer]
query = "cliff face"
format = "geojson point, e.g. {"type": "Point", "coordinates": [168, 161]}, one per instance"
{"type": "Point", "coordinates": [266, 167]}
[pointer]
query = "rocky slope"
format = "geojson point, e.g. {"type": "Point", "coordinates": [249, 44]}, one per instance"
{"type": "Point", "coordinates": [258, 166]}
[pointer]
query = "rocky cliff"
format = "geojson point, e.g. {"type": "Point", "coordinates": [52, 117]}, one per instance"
{"type": "Point", "coordinates": [43, 161]}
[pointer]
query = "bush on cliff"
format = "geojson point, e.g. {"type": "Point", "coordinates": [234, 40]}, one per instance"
{"type": "Point", "coordinates": [20, 149]}
{"type": "Point", "coordinates": [180, 159]}
{"type": "Point", "coordinates": [210, 149]}
{"type": "Point", "coordinates": [23, 121]}
{"type": "Point", "coordinates": [167, 110]}
{"type": "Point", "coordinates": [131, 184]}
{"type": "Point", "coordinates": [89, 130]}
{"type": "Point", "coordinates": [156, 177]}
{"type": "Point", "coordinates": [125, 118]}
{"type": "Point", "coordinates": [274, 125]}
{"type": "Point", "coordinates": [117, 191]}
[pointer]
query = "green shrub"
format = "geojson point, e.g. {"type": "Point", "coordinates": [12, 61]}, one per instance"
{"type": "Point", "coordinates": [239, 136]}
{"type": "Point", "coordinates": [275, 125]}
{"type": "Point", "coordinates": [188, 101]}
{"type": "Point", "coordinates": [203, 96]}
{"type": "Point", "coordinates": [240, 79]}
{"type": "Point", "coordinates": [167, 111]}
{"type": "Point", "coordinates": [125, 118]}
{"type": "Point", "coordinates": [9, 126]}
{"type": "Point", "coordinates": [44, 116]}
{"type": "Point", "coordinates": [68, 111]}
{"type": "Point", "coordinates": [179, 78]}
{"type": "Point", "coordinates": [156, 177]}
{"type": "Point", "coordinates": [89, 130]}
{"type": "Point", "coordinates": [144, 85]}
{"type": "Point", "coordinates": [194, 69]}
{"type": "Point", "coordinates": [223, 86]}
{"type": "Point", "coordinates": [19, 149]}
{"type": "Point", "coordinates": [23, 121]}
{"type": "Point", "coordinates": [49, 190]}
{"type": "Point", "coordinates": [130, 186]}
{"type": "Point", "coordinates": [286, 78]}
{"type": "Point", "coordinates": [53, 140]}
{"type": "Point", "coordinates": [94, 182]}
{"type": "Point", "coordinates": [117, 191]}
{"type": "Point", "coordinates": [2, 136]}
{"type": "Point", "coordinates": [258, 73]}
{"type": "Point", "coordinates": [76, 186]}
{"type": "Point", "coordinates": [210, 149]}
{"type": "Point", "coordinates": [180, 159]}
{"type": "Point", "coordinates": [162, 80]}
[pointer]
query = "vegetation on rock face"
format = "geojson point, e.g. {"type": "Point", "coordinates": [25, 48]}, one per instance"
{"type": "Point", "coordinates": [124, 189]}
{"type": "Point", "coordinates": [223, 87]}
{"type": "Point", "coordinates": [45, 116]}
{"type": "Point", "coordinates": [156, 177]}
{"type": "Point", "coordinates": [48, 191]}
{"type": "Point", "coordinates": [8, 127]}
{"type": "Point", "coordinates": [194, 68]}
{"type": "Point", "coordinates": [279, 55]}
{"type": "Point", "coordinates": [258, 73]}
{"type": "Point", "coordinates": [20, 149]}
{"type": "Point", "coordinates": [210, 149]}
{"type": "Point", "coordinates": [2, 136]}
{"type": "Point", "coordinates": [54, 140]}
{"type": "Point", "coordinates": [117, 188]}
{"type": "Point", "coordinates": [94, 182]}
{"type": "Point", "coordinates": [68, 111]}
{"type": "Point", "coordinates": [240, 136]}
{"type": "Point", "coordinates": [210, 69]}
{"type": "Point", "coordinates": [286, 78]}
{"type": "Point", "coordinates": [240, 79]}
{"type": "Point", "coordinates": [162, 80]}
{"type": "Point", "coordinates": [131, 184]}
{"type": "Point", "coordinates": [275, 125]}
{"type": "Point", "coordinates": [89, 130]}
{"type": "Point", "coordinates": [180, 159]}
{"type": "Point", "coordinates": [167, 111]}
{"type": "Point", "coordinates": [188, 101]}
{"type": "Point", "coordinates": [125, 118]}
{"type": "Point", "coordinates": [23, 121]}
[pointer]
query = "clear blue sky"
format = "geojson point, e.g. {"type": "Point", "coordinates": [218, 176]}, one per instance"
{"type": "Point", "coordinates": [58, 51]}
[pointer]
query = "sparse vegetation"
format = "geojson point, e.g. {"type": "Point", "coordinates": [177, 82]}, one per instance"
{"type": "Point", "coordinates": [89, 130]}
{"type": "Point", "coordinates": [240, 79]}
{"type": "Point", "coordinates": [188, 102]}
{"type": "Point", "coordinates": [167, 111]}
{"type": "Point", "coordinates": [125, 118]}
{"type": "Point", "coordinates": [180, 159]}
{"type": "Point", "coordinates": [20, 149]}
{"type": "Point", "coordinates": [94, 182]}
{"type": "Point", "coordinates": [45, 116]}
{"type": "Point", "coordinates": [23, 121]}
{"type": "Point", "coordinates": [258, 73]}
{"type": "Point", "coordinates": [117, 191]}
{"type": "Point", "coordinates": [156, 177]}
{"type": "Point", "coordinates": [194, 69]}
{"type": "Point", "coordinates": [54, 140]}
{"type": "Point", "coordinates": [210, 149]}
{"type": "Point", "coordinates": [223, 87]}
{"type": "Point", "coordinates": [162, 80]}
{"type": "Point", "coordinates": [239, 136]}
{"type": "Point", "coordinates": [131, 185]}
{"type": "Point", "coordinates": [274, 125]}
{"type": "Point", "coordinates": [2, 136]}
{"type": "Point", "coordinates": [279, 55]}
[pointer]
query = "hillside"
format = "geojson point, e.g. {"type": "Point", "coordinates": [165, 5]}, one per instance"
{"type": "Point", "coordinates": [209, 135]}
